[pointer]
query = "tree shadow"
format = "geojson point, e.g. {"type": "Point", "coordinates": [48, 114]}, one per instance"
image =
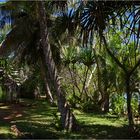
{"type": "Point", "coordinates": [37, 130]}
{"type": "Point", "coordinates": [6, 136]}
{"type": "Point", "coordinates": [104, 132]}
{"type": "Point", "coordinates": [38, 123]}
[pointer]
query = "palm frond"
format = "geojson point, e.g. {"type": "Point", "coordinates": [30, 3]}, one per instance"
{"type": "Point", "coordinates": [96, 16]}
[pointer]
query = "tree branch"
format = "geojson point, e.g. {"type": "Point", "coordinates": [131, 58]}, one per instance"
{"type": "Point", "coordinates": [134, 68]}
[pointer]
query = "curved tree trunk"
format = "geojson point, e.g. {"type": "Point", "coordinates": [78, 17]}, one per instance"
{"type": "Point", "coordinates": [68, 120]}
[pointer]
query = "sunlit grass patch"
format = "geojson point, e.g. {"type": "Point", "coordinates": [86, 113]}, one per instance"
{"type": "Point", "coordinates": [5, 133]}
{"type": "Point", "coordinates": [4, 107]}
{"type": "Point", "coordinates": [91, 118]}
{"type": "Point", "coordinates": [4, 130]}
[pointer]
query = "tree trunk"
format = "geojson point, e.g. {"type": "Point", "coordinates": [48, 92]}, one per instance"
{"type": "Point", "coordinates": [10, 93]}
{"type": "Point", "coordinates": [90, 77]}
{"type": "Point", "coordinates": [47, 88]}
{"type": "Point", "coordinates": [82, 96]}
{"type": "Point", "coordinates": [129, 108]}
{"type": "Point", "coordinates": [68, 120]}
{"type": "Point", "coordinates": [106, 103]}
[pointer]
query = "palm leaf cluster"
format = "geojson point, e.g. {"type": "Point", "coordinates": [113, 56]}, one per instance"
{"type": "Point", "coordinates": [23, 41]}
{"type": "Point", "coordinates": [96, 16]}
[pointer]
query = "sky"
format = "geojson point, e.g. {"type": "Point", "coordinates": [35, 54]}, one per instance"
{"type": "Point", "coordinates": [2, 0]}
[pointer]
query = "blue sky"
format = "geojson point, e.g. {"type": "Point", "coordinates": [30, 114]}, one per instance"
{"type": "Point", "coordinates": [2, 1]}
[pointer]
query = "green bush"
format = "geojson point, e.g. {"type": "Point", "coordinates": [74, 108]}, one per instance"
{"type": "Point", "coordinates": [134, 104]}
{"type": "Point", "coordinates": [117, 104]}
{"type": "Point", "coordinates": [90, 107]}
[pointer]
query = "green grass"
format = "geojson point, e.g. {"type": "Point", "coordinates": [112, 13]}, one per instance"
{"type": "Point", "coordinates": [39, 122]}
{"type": "Point", "coordinates": [103, 126]}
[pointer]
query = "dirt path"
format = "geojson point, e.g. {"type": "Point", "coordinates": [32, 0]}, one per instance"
{"type": "Point", "coordinates": [9, 112]}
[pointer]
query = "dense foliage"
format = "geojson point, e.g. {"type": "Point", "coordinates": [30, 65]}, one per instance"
{"type": "Point", "coordinates": [80, 55]}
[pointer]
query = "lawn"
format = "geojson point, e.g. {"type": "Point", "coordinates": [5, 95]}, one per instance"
{"type": "Point", "coordinates": [37, 119]}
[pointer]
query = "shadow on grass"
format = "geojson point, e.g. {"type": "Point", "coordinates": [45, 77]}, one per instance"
{"type": "Point", "coordinates": [37, 131]}
{"type": "Point", "coordinates": [92, 131]}
{"type": "Point", "coordinates": [6, 136]}
{"type": "Point", "coordinates": [38, 122]}
{"type": "Point", "coordinates": [48, 131]}
{"type": "Point", "coordinates": [104, 132]}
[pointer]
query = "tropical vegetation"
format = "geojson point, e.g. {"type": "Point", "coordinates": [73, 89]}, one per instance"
{"type": "Point", "coordinates": [78, 59]}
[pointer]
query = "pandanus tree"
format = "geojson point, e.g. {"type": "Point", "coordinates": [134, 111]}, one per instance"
{"type": "Point", "coordinates": [32, 19]}
{"type": "Point", "coordinates": [128, 61]}
{"type": "Point", "coordinates": [98, 16]}
{"type": "Point", "coordinates": [79, 62]}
